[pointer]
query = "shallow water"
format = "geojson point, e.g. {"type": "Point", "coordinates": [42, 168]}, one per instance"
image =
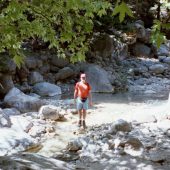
{"type": "Point", "coordinates": [126, 97]}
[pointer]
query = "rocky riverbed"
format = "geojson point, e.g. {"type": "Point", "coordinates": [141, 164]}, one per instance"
{"type": "Point", "coordinates": [123, 132]}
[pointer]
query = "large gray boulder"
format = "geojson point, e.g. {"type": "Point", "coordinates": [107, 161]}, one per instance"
{"type": "Point", "coordinates": [98, 78]}
{"type": "Point", "coordinates": [24, 103]}
{"type": "Point", "coordinates": [46, 89]}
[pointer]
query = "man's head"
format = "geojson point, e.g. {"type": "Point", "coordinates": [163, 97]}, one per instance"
{"type": "Point", "coordinates": [83, 77]}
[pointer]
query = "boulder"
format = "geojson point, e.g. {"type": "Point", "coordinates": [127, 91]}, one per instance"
{"type": "Point", "coordinates": [21, 123]}
{"type": "Point", "coordinates": [102, 45]}
{"type": "Point", "coordinates": [24, 103]}
{"type": "Point", "coordinates": [35, 77]}
{"type": "Point", "coordinates": [98, 78]}
{"type": "Point", "coordinates": [7, 64]}
{"type": "Point", "coordinates": [157, 68]}
{"type": "Point", "coordinates": [13, 141]}
{"type": "Point", "coordinates": [166, 60]}
{"type": "Point", "coordinates": [31, 62]}
{"type": "Point", "coordinates": [163, 50]}
{"type": "Point", "coordinates": [6, 83]}
{"type": "Point", "coordinates": [121, 125]}
{"type": "Point", "coordinates": [59, 62]}
{"type": "Point", "coordinates": [64, 73]}
{"type": "Point", "coordinates": [51, 112]}
{"type": "Point", "coordinates": [46, 89]}
{"type": "Point", "coordinates": [141, 50]}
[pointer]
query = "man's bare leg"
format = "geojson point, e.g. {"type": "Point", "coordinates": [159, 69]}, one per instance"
{"type": "Point", "coordinates": [84, 118]}
{"type": "Point", "coordinates": [80, 117]}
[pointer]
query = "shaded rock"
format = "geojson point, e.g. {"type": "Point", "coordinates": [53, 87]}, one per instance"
{"type": "Point", "coordinates": [163, 50]}
{"type": "Point", "coordinates": [59, 62]}
{"type": "Point", "coordinates": [46, 89]}
{"type": "Point", "coordinates": [31, 62]}
{"type": "Point", "coordinates": [22, 73]}
{"type": "Point", "coordinates": [141, 50]}
{"type": "Point", "coordinates": [157, 68]}
{"type": "Point", "coordinates": [64, 73]}
{"type": "Point", "coordinates": [32, 161]}
{"type": "Point", "coordinates": [159, 155]}
{"type": "Point", "coordinates": [44, 69]}
{"type": "Point", "coordinates": [11, 111]}
{"type": "Point", "coordinates": [102, 45]}
{"type": "Point", "coordinates": [6, 83]}
{"type": "Point", "coordinates": [7, 64]}
{"type": "Point", "coordinates": [35, 77]}
{"type": "Point", "coordinates": [24, 103]}
{"type": "Point", "coordinates": [166, 60]}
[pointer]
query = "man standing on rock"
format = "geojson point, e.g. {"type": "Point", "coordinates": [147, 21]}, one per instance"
{"type": "Point", "coordinates": [82, 97]}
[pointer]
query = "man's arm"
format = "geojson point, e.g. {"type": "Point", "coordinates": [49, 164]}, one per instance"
{"type": "Point", "coordinates": [75, 94]}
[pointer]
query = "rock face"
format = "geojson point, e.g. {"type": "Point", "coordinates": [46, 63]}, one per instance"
{"type": "Point", "coordinates": [98, 79]}
{"type": "Point", "coordinates": [102, 45]}
{"type": "Point", "coordinates": [24, 103]}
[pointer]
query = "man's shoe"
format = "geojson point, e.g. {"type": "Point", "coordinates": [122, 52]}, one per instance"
{"type": "Point", "coordinates": [84, 124]}
{"type": "Point", "coordinates": [79, 124]}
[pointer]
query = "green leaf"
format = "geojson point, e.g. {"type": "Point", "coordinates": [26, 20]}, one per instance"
{"type": "Point", "coordinates": [18, 59]}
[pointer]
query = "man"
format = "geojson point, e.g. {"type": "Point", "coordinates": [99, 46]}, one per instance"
{"type": "Point", "coordinates": [83, 97]}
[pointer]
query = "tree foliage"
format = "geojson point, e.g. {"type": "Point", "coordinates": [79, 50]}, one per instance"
{"type": "Point", "coordinates": [158, 37]}
{"type": "Point", "coordinates": [64, 25]}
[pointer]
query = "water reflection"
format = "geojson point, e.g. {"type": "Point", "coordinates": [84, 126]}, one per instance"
{"type": "Point", "coordinates": [122, 97]}
{"type": "Point", "coordinates": [126, 97]}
